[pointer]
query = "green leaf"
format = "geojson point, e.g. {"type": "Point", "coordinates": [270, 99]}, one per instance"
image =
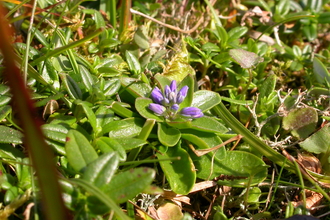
{"type": "Point", "coordinates": [168, 136]}
{"type": "Point", "coordinates": [131, 143]}
{"type": "Point", "coordinates": [89, 113]}
{"type": "Point", "coordinates": [201, 141]}
{"type": "Point", "coordinates": [141, 105]}
{"type": "Point", "coordinates": [126, 128]}
{"type": "Point", "coordinates": [55, 132]}
{"type": "Point", "coordinates": [111, 86]}
{"type": "Point", "coordinates": [210, 47]}
{"type": "Point", "coordinates": [190, 82]}
{"type": "Point", "coordinates": [222, 35]}
{"type": "Point", "coordinates": [241, 166]}
{"type": "Point", "coordinates": [318, 142]}
{"type": "Point", "coordinates": [136, 87]}
{"type": "Point", "coordinates": [208, 124]}
{"type": "Point", "coordinates": [104, 115]}
{"type": "Point", "coordinates": [181, 173]}
{"type": "Point", "coordinates": [205, 100]}
{"type": "Point", "coordinates": [106, 144]}
{"type": "Point", "coordinates": [100, 171]}
{"type": "Point", "coordinates": [128, 184]}
{"type": "Point", "coordinates": [245, 58]}
{"type": "Point", "coordinates": [267, 86]}
{"type": "Point", "coordinates": [9, 153]}
{"type": "Point", "coordinates": [4, 111]}
{"type": "Point", "coordinates": [10, 135]}
{"type": "Point", "coordinates": [236, 33]}
{"type": "Point", "coordinates": [324, 18]}
{"type": "Point", "coordinates": [99, 21]}
{"type": "Point", "coordinates": [310, 31]}
{"type": "Point", "coordinates": [87, 78]}
{"type": "Point", "coordinates": [101, 196]}
{"type": "Point", "coordinates": [4, 100]}
{"type": "Point", "coordinates": [79, 151]}
{"type": "Point", "coordinates": [301, 122]}
{"type": "Point", "coordinates": [141, 39]}
{"type": "Point", "coordinates": [133, 62]}
{"type": "Point", "coordinates": [235, 169]}
{"type": "Point", "coordinates": [162, 81]}
{"type": "Point", "coordinates": [320, 72]}
{"type": "Point", "coordinates": [71, 86]}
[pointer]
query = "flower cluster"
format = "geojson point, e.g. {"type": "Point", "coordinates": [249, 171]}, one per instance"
{"type": "Point", "coordinates": [167, 103]}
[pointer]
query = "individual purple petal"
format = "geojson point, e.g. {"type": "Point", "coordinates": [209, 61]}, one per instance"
{"type": "Point", "coordinates": [173, 86]}
{"type": "Point", "coordinates": [157, 95]}
{"type": "Point", "coordinates": [158, 109]}
{"type": "Point", "coordinates": [192, 112]}
{"type": "Point", "coordinates": [175, 107]}
{"type": "Point", "coordinates": [167, 91]}
{"type": "Point", "coordinates": [182, 94]}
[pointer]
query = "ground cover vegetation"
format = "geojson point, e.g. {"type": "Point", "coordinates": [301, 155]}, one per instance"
{"type": "Point", "coordinates": [164, 109]}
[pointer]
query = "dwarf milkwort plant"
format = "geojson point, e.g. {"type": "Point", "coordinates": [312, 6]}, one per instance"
{"type": "Point", "coordinates": [167, 103]}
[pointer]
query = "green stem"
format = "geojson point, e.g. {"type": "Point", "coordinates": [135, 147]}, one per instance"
{"type": "Point", "coordinates": [125, 16]}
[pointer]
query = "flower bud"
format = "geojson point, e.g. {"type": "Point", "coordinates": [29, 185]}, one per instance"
{"type": "Point", "coordinates": [158, 109]}
{"type": "Point", "coordinates": [182, 94]}
{"type": "Point", "coordinates": [157, 95]}
{"type": "Point", "coordinates": [175, 107]}
{"type": "Point", "coordinates": [192, 112]}
{"type": "Point", "coordinates": [173, 86]}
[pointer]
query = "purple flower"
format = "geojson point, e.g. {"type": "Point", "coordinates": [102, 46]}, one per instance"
{"type": "Point", "coordinates": [173, 86]}
{"type": "Point", "coordinates": [167, 102]}
{"type": "Point", "coordinates": [175, 107]}
{"type": "Point", "coordinates": [157, 95]}
{"type": "Point", "coordinates": [192, 112]}
{"type": "Point", "coordinates": [158, 109]}
{"type": "Point", "coordinates": [182, 94]}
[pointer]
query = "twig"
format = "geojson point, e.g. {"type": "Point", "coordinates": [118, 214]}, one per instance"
{"type": "Point", "coordinates": [168, 25]}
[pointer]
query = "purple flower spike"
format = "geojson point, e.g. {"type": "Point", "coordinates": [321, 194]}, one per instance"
{"type": "Point", "coordinates": [192, 112]}
{"type": "Point", "coordinates": [158, 109]}
{"type": "Point", "coordinates": [182, 94]}
{"type": "Point", "coordinates": [157, 95]}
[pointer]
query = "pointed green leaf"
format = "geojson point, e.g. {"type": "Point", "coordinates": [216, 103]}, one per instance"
{"type": "Point", "coordinates": [4, 111]}
{"type": "Point", "coordinates": [320, 71]}
{"type": "Point", "coordinates": [205, 100]}
{"type": "Point", "coordinates": [208, 124]}
{"type": "Point", "coordinates": [141, 105]}
{"type": "Point", "coordinates": [190, 82]}
{"type": "Point", "coordinates": [133, 62]}
{"type": "Point", "coordinates": [89, 113]}
{"type": "Point", "coordinates": [55, 132]}
{"type": "Point", "coordinates": [106, 144]}
{"type": "Point", "coordinates": [128, 184]}
{"type": "Point", "coordinates": [10, 135]}
{"type": "Point", "coordinates": [100, 171]}
{"type": "Point", "coordinates": [126, 128]}
{"type": "Point", "coordinates": [136, 87]}
{"type": "Point", "coordinates": [87, 78]}
{"type": "Point", "coordinates": [245, 58]}
{"type": "Point", "coordinates": [79, 151]}
{"type": "Point", "coordinates": [318, 142]}
{"type": "Point", "coordinates": [71, 86]}
{"type": "Point", "coordinates": [101, 196]}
